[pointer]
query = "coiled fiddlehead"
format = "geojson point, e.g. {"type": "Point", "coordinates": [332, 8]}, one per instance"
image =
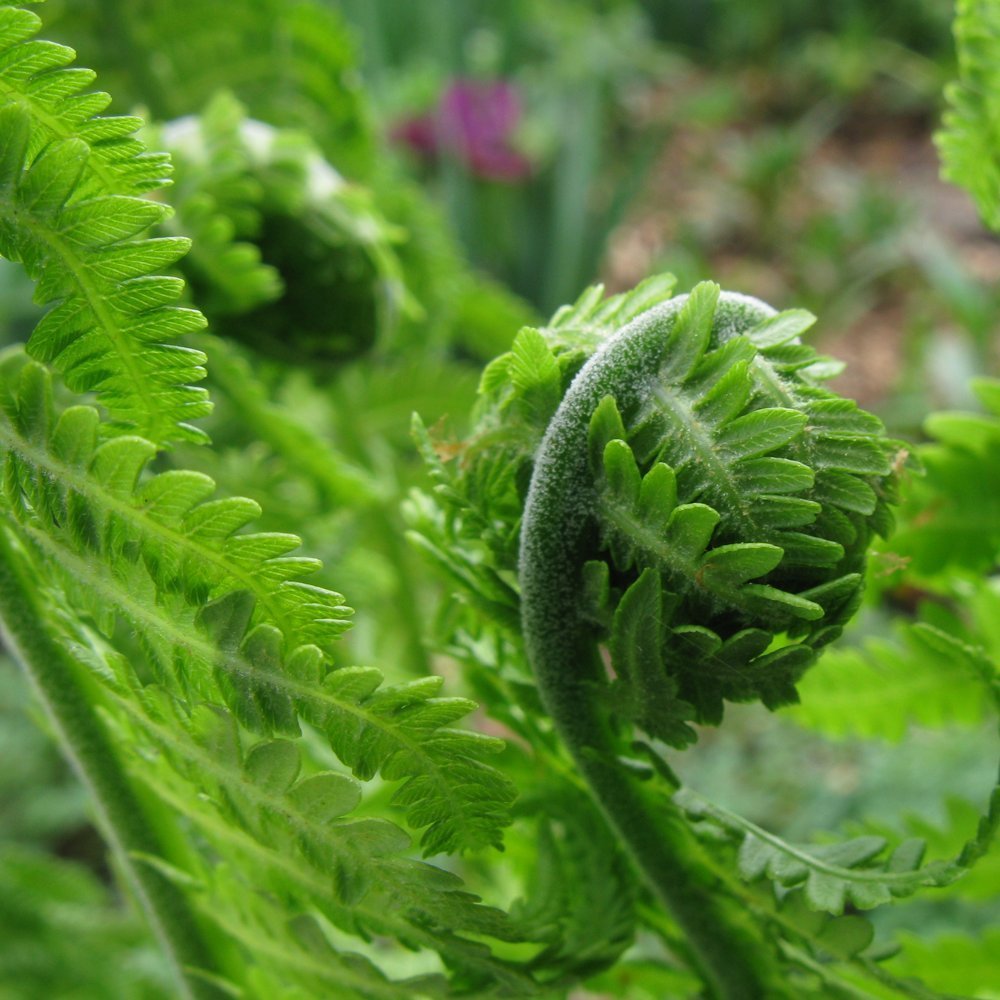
{"type": "Point", "coordinates": [696, 469]}
{"type": "Point", "coordinates": [691, 512]}
{"type": "Point", "coordinates": [287, 255]}
{"type": "Point", "coordinates": [695, 466]}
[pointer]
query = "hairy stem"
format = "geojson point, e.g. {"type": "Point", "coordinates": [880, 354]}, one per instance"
{"type": "Point", "coordinates": [732, 956]}
{"type": "Point", "coordinates": [124, 823]}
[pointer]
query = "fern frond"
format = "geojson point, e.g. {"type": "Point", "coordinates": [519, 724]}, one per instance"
{"type": "Point", "coordinates": [288, 255]}
{"type": "Point", "coordinates": [951, 518]}
{"type": "Point", "coordinates": [723, 470]}
{"type": "Point", "coordinates": [582, 900]}
{"type": "Point", "coordinates": [856, 872]}
{"type": "Point", "coordinates": [207, 691]}
{"type": "Point", "coordinates": [38, 76]}
{"type": "Point", "coordinates": [481, 496]}
{"type": "Point", "coordinates": [963, 964]}
{"type": "Point", "coordinates": [969, 143]}
{"type": "Point", "coordinates": [217, 603]}
{"type": "Point", "coordinates": [694, 511]}
{"type": "Point", "coordinates": [216, 202]}
{"type": "Point", "coordinates": [68, 180]}
{"type": "Point", "coordinates": [879, 689]}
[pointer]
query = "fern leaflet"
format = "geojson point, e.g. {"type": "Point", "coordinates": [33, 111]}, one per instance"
{"type": "Point", "coordinates": [971, 136]}
{"type": "Point", "coordinates": [243, 612]}
{"type": "Point", "coordinates": [66, 219]}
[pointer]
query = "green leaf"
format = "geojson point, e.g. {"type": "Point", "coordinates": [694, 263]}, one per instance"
{"type": "Point", "coordinates": [987, 391]}
{"type": "Point", "coordinates": [847, 936]}
{"type": "Point", "coordinates": [772, 601]}
{"type": "Point", "coordinates": [533, 371]}
{"type": "Point", "coordinates": [851, 453]}
{"type": "Point", "coordinates": [622, 472]}
{"type": "Point", "coordinates": [326, 796]}
{"type": "Point", "coordinates": [881, 688]}
{"type": "Point", "coordinates": [773, 475]}
{"type": "Point", "coordinates": [605, 426]}
{"type": "Point", "coordinates": [845, 491]}
{"type": "Point", "coordinates": [969, 141]}
{"type": "Point", "coordinates": [690, 529]}
{"type": "Point", "coordinates": [657, 495]}
{"type": "Point", "coordinates": [689, 336]}
{"type": "Point", "coordinates": [832, 875]}
{"type": "Point", "coordinates": [70, 184]}
{"type": "Point", "coordinates": [727, 398]}
{"type": "Point", "coordinates": [636, 647]}
{"type": "Point", "coordinates": [273, 765]}
{"type": "Point", "coordinates": [117, 464]}
{"type": "Point", "coordinates": [781, 329]}
{"type": "Point", "coordinates": [784, 512]}
{"type": "Point", "coordinates": [761, 431]}
{"type": "Point", "coordinates": [733, 565]}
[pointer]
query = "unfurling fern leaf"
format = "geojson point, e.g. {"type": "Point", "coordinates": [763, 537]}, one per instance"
{"type": "Point", "coordinates": [688, 512]}
{"type": "Point", "coordinates": [287, 254]}
{"type": "Point", "coordinates": [661, 509]}
{"type": "Point", "coordinates": [716, 486]}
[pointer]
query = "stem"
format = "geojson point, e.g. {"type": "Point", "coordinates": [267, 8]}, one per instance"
{"type": "Point", "coordinates": [732, 956]}
{"type": "Point", "coordinates": [65, 698]}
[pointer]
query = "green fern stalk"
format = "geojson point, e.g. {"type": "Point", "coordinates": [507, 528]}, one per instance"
{"type": "Point", "coordinates": [67, 699]}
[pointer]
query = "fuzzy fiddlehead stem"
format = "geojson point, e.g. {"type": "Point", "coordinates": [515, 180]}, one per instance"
{"type": "Point", "coordinates": [698, 515]}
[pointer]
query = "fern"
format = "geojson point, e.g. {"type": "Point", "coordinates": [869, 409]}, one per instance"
{"type": "Point", "coordinates": [970, 138]}
{"type": "Point", "coordinates": [852, 871]}
{"type": "Point", "coordinates": [276, 231]}
{"type": "Point", "coordinates": [696, 508]}
{"type": "Point", "coordinates": [262, 627]}
{"type": "Point", "coordinates": [68, 185]}
{"type": "Point", "coordinates": [122, 552]}
{"type": "Point", "coordinates": [225, 644]}
{"type": "Point", "coordinates": [962, 964]}
{"type": "Point", "coordinates": [883, 687]}
{"type": "Point", "coordinates": [660, 509]}
{"type": "Point", "coordinates": [216, 200]}
{"type": "Point", "coordinates": [953, 520]}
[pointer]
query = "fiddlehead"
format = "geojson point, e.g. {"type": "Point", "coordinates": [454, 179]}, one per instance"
{"type": "Point", "coordinates": [696, 512]}
{"type": "Point", "coordinates": [681, 466]}
{"type": "Point", "coordinates": [695, 466]}
{"type": "Point", "coordinates": [281, 243]}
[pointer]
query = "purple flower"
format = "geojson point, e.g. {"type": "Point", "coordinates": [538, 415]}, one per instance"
{"type": "Point", "coordinates": [418, 133]}
{"type": "Point", "coordinates": [474, 121]}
